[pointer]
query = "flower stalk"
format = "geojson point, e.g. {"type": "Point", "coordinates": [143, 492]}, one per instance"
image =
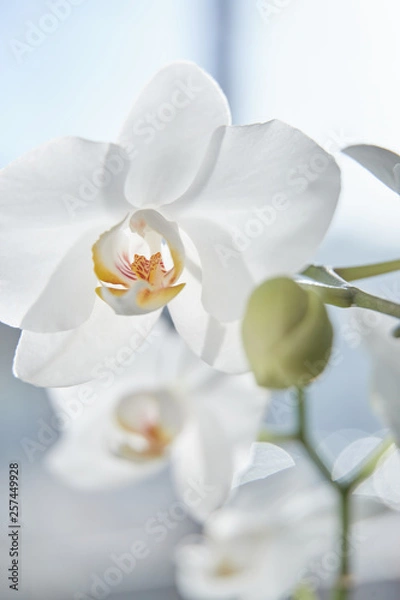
{"type": "Point", "coordinates": [365, 271]}
{"type": "Point", "coordinates": [304, 438]}
{"type": "Point", "coordinates": [343, 583]}
{"type": "Point", "coordinates": [332, 285]}
{"type": "Point", "coordinates": [344, 487]}
{"type": "Point", "coordinates": [349, 296]}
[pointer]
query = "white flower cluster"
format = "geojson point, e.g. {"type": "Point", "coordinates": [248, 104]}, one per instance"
{"type": "Point", "coordinates": [188, 212]}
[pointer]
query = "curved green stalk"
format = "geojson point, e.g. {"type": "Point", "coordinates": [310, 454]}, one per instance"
{"type": "Point", "coordinates": [365, 271]}
{"type": "Point", "coordinates": [349, 296]}
{"type": "Point", "coordinates": [344, 487]}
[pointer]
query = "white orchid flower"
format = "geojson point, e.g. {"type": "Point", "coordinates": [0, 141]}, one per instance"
{"type": "Point", "coordinates": [168, 407]}
{"type": "Point", "coordinates": [184, 210]}
{"type": "Point", "coordinates": [257, 547]}
{"type": "Point", "coordinates": [280, 530]}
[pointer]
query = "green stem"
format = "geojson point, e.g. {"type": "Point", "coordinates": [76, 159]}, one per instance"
{"type": "Point", "coordinates": [344, 488]}
{"type": "Point", "coordinates": [364, 271]}
{"type": "Point", "coordinates": [346, 297]}
{"type": "Point", "coordinates": [364, 300]}
{"type": "Point", "coordinates": [344, 581]}
{"type": "Point", "coordinates": [304, 438]}
{"type": "Point", "coordinates": [272, 437]}
{"type": "Point", "coordinates": [341, 590]}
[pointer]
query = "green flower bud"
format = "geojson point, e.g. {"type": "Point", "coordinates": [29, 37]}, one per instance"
{"type": "Point", "coordinates": [287, 334]}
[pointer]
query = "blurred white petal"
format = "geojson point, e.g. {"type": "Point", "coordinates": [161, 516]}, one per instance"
{"type": "Point", "coordinates": [257, 548]}
{"type": "Point", "coordinates": [382, 163]}
{"type": "Point", "coordinates": [167, 406]}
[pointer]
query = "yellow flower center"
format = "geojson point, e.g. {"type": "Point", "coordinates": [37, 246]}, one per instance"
{"type": "Point", "coordinates": [144, 425]}
{"type": "Point", "coordinates": [149, 442]}
{"type": "Point", "coordinates": [152, 270]}
{"type": "Point", "coordinates": [129, 262]}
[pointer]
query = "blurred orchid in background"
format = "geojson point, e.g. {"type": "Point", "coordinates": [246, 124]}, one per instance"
{"type": "Point", "coordinates": [279, 532]}
{"type": "Point", "coordinates": [382, 163]}
{"type": "Point", "coordinates": [179, 211]}
{"type": "Point", "coordinates": [167, 407]}
{"type": "Point", "coordinates": [258, 545]}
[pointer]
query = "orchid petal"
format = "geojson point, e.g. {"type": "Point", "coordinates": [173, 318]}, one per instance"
{"type": "Point", "coordinates": [259, 206]}
{"type": "Point", "coordinates": [140, 299]}
{"type": "Point", "coordinates": [382, 163]}
{"type": "Point", "coordinates": [49, 208]}
{"type": "Point", "coordinates": [274, 484]}
{"type": "Point", "coordinates": [63, 182]}
{"type": "Point", "coordinates": [112, 252]}
{"type": "Point", "coordinates": [47, 280]}
{"type": "Point", "coordinates": [227, 413]}
{"type": "Point", "coordinates": [218, 344]}
{"type": "Point", "coordinates": [168, 130]}
{"type": "Point", "coordinates": [202, 465]}
{"type": "Point", "coordinates": [264, 460]}
{"type": "Point", "coordinates": [72, 357]}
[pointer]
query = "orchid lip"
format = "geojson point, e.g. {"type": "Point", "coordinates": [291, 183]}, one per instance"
{"type": "Point", "coordinates": [144, 425]}
{"type": "Point", "coordinates": [138, 263]}
{"type": "Point", "coordinates": [226, 568]}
